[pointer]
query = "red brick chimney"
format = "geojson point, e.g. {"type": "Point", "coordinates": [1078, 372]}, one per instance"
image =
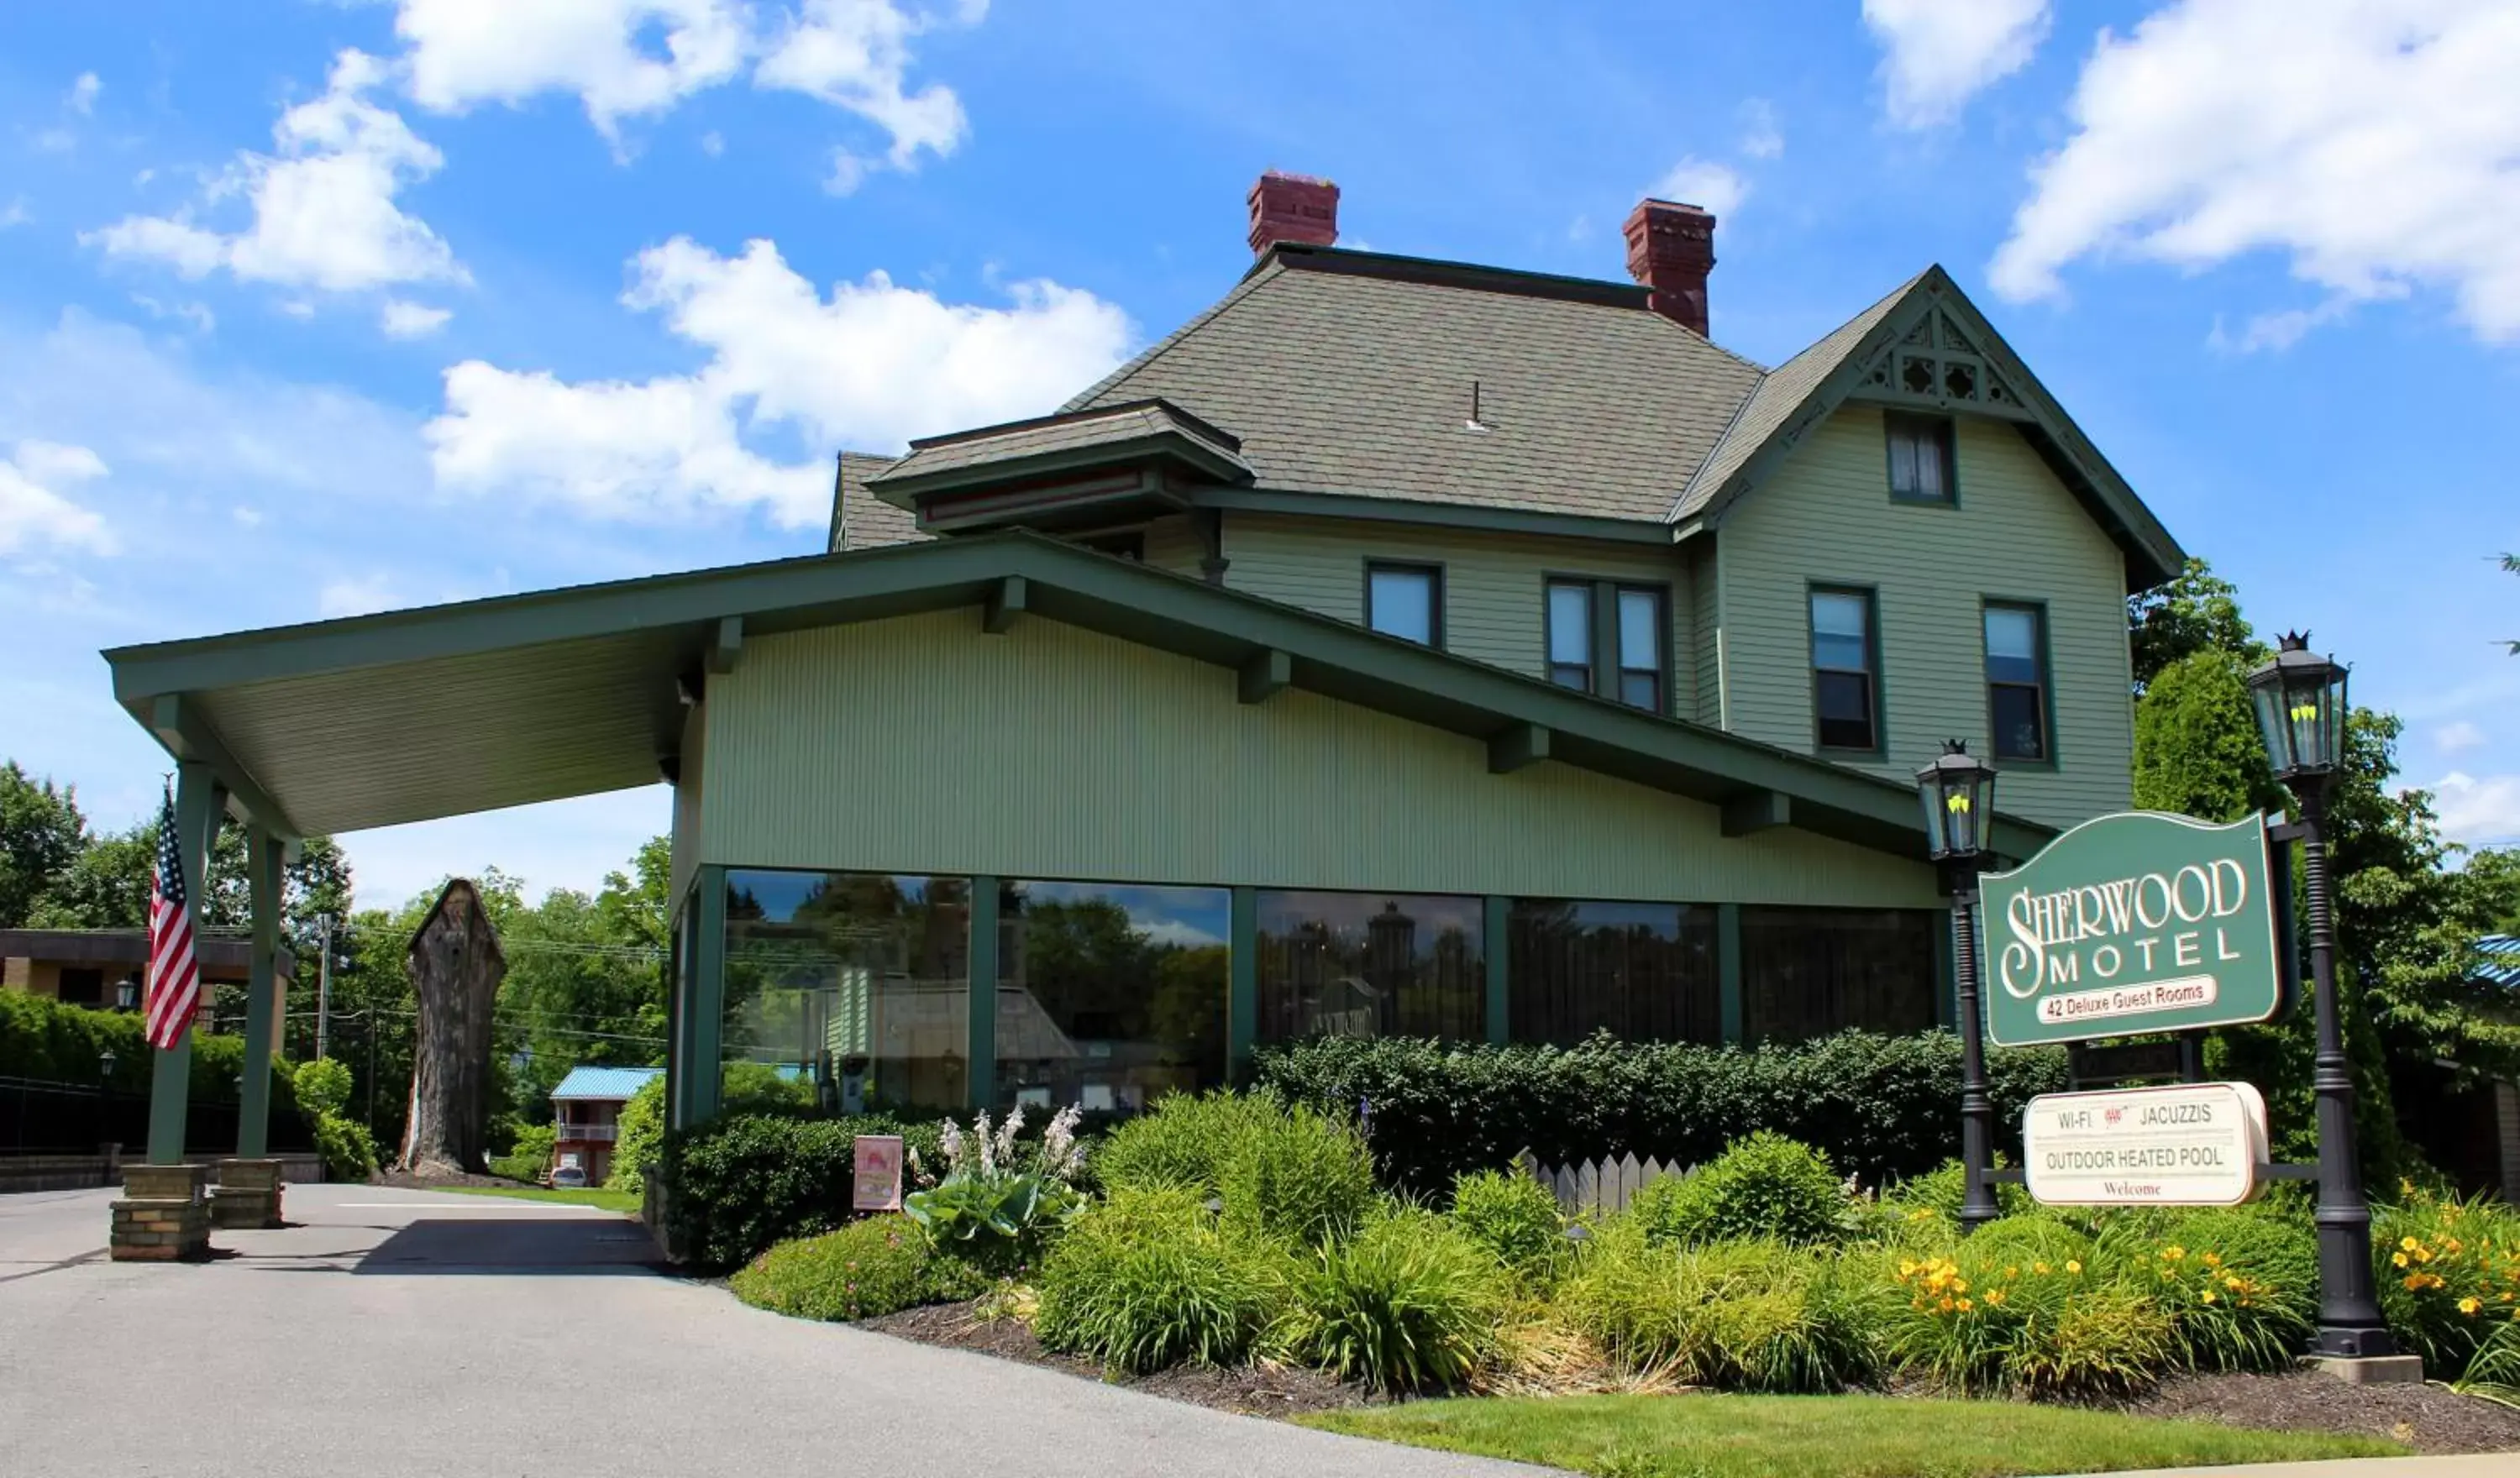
{"type": "Point", "coordinates": [1670, 247]}
{"type": "Point", "coordinates": [1293, 207]}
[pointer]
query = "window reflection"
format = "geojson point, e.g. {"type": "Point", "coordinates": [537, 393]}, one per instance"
{"type": "Point", "coordinates": [1109, 995]}
{"type": "Point", "coordinates": [1807, 973]}
{"type": "Point", "coordinates": [1370, 965]}
{"type": "Point", "coordinates": [1641, 971]}
{"type": "Point", "coordinates": [856, 985]}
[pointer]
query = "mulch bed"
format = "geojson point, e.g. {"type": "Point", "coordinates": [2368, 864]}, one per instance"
{"type": "Point", "coordinates": [2425, 1418]}
{"type": "Point", "coordinates": [2428, 1418]}
{"type": "Point", "coordinates": [1245, 1390]}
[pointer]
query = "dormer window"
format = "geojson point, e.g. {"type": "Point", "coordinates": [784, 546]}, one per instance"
{"type": "Point", "coordinates": [1921, 468]}
{"type": "Point", "coordinates": [1406, 600]}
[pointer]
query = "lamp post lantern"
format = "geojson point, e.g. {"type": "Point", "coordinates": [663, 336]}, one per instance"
{"type": "Point", "coordinates": [1957, 791]}
{"type": "Point", "coordinates": [2300, 702]}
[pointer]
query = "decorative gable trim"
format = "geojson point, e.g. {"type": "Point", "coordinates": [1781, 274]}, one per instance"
{"type": "Point", "coordinates": [1937, 365]}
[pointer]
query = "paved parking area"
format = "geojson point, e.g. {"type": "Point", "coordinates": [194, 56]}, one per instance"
{"type": "Point", "coordinates": [400, 1332]}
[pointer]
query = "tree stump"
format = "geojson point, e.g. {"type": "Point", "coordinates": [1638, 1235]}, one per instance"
{"type": "Point", "coordinates": [456, 966]}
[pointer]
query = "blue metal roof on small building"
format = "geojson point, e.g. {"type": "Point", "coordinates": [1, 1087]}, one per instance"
{"type": "Point", "coordinates": [605, 1082]}
{"type": "Point", "coordinates": [2501, 960]}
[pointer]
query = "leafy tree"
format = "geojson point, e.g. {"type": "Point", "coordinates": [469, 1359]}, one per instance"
{"type": "Point", "coordinates": [2198, 612]}
{"type": "Point", "coordinates": [41, 833]}
{"type": "Point", "coordinates": [106, 886]}
{"type": "Point", "coordinates": [2197, 751]}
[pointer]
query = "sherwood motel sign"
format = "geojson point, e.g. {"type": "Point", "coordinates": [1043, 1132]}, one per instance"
{"type": "Point", "coordinates": [2128, 925]}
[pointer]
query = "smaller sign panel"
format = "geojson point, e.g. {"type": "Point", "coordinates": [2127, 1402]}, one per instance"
{"type": "Point", "coordinates": [878, 1173]}
{"type": "Point", "coordinates": [2179, 1145]}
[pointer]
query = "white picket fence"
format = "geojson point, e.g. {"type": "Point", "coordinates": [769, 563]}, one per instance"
{"type": "Point", "coordinates": [1597, 1188]}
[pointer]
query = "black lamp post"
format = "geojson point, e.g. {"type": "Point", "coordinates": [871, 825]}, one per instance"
{"type": "Point", "coordinates": [2300, 701]}
{"type": "Point", "coordinates": [1957, 790]}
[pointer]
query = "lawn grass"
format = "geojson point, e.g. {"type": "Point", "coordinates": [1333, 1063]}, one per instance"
{"type": "Point", "coordinates": [610, 1200]}
{"type": "Point", "coordinates": [1706, 1436]}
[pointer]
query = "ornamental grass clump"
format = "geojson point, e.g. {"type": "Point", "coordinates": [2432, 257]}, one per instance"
{"type": "Point", "coordinates": [1763, 1187]}
{"type": "Point", "coordinates": [864, 1269]}
{"type": "Point", "coordinates": [1184, 1140]}
{"type": "Point", "coordinates": [1410, 1303]}
{"type": "Point", "coordinates": [2448, 1274]}
{"type": "Point", "coordinates": [2241, 1287]}
{"type": "Point", "coordinates": [1743, 1316]}
{"type": "Point", "coordinates": [1148, 1278]}
{"type": "Point", "coordinates": [1296, 1175]}
{"type": "Point", "coordinates": [1982, 1321]}
{"type": "Point", "coordinates": [1515, 1218]}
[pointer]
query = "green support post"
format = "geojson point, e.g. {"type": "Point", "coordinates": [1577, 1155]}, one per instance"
{"type": "Point", "coordinates": [1728, 972]}
{"type": "Point", "coordinates": [706, 996]}
{"type": "Point", "coordinates": [170, 1083]}
{"type": "Point", "coordinates": [981, 1035]}
{"type": "Point", "coordinates": [262, 887]}
{"type": "Point", "coordinates": [1242, 992]}
{"type": "Point", "coordinates": [1499, 910]}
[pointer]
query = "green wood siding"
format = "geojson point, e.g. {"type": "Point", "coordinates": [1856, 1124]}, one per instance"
{"type": "Point", "coordinates": [920, 744]}
{"type": "Point", "coordinates": [1173, 544]}
{"type": "Point", "coordinates": [1491, 582]}
{"type": "Point", "coordinates": [1706, 621]}
{"type": "Point", "coordinates": [1828, 517]}
{"type": "Point", "coordinates": [685, 853]}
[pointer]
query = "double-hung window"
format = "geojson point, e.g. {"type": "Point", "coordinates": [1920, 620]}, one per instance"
{"type": "Point", "coordinates": [1921, 467]}
{"type": "Point", "coordinates": [2016, 681]}
{"type": "Point", "coordinates": [1846, 696]}
{"type": "Point", "coordinates": [1406, 600]}
{"type": "Point", "coordinates": [1623, 657]}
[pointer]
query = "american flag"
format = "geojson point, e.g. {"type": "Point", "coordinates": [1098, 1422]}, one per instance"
{"type": "Point", "coordinates": [175, 983]}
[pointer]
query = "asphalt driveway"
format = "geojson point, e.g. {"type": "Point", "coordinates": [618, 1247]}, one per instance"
{"type": "Point", "coordinates": [402, 1332]}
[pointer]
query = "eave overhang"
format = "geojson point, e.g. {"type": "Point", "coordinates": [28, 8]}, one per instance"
{"type": "Point", "coordinates": [444, 710]}
{"type": "Point", "coordinates": [1073, 470]}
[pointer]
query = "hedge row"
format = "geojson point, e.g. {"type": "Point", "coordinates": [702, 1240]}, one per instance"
{"type": "Point", "coordinates": [1882, 1107]}
{"type": "Point", "coordinates": [738, 1186]}
{"type": "Point", "coordinates": [43, 1039]}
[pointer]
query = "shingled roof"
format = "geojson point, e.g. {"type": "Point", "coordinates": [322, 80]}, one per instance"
{"type": "Point", "coordinates": [859, 519]}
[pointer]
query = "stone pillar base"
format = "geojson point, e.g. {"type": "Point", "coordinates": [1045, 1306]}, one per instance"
{"type": "Point", "coordinates": [162, 1217]}
{"type": "Point", "coordinates": [247, 1194]}
{"type": "Point", "coordinates": [2372, 1369]}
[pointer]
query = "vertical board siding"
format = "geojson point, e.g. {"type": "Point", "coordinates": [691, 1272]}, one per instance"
{"type": "Point", "coordinates": [918, 744]}
{"type": "Point", "coordinates": [2017, 534]}
{"type": "Point", "coordinates": [1491, 582]}
{"type": "Point", "coordinates": [684, 855]}
{"type": "Point", "coordinates": [1173, 544]}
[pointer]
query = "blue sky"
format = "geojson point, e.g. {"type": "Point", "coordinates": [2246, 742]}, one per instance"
{"type": "Point", "coordinates": [315, 308]}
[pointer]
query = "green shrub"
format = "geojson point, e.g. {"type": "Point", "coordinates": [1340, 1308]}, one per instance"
{"type": "Point", "coordinates": [1750, 1316]}
{"type": "Point", "coordinates": [639, 1140]}
{"type": "Point", "coordinates": [1877, 1106]}
{"type": "Point", "coordinates": [756, 1088]}
{"type": "Point", "coordinates": [529, 1157]}
{"type": "Point", "coordinates": [1149, 1279]}
{"type": "Point", "coordinates": [2449, 1272]}
{"type": "Point", "coordinates": [348, 1151]}
{"type": "Point", "coordinates": [740, 1185]}
{"type": "Point", "coordinates": [1766, 1187]}
{"type": "Point", "coordinates": [1301, 1176]}
{"type": "Point", "coordinates": [2241, 1288]}
{"type": "Point", "coordinates": [1514, 1217]}
{"type": "Point", "coordinates": [1979, 1321]}
{"type": "Point", "coordinates": [1182, 1141]}
{"type": "Point", "coordinates": [1944, 1188]}
{"type": "Point", "coordinates": [862, 1271]}
{"type": "Point", "coordinates": [1410, 1303]}
{"type": "Point", "coordinates": [323, 1086]}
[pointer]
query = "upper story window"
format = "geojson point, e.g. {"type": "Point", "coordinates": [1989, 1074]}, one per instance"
{"type": "Point", "coordinates": [1632, 668]}
{"type": "Point", "coordinates": [1406, 600]}
{"type": "Point", "coordinates": [1922, 466]}
{"type": "Point", "coordinates": [1845, 686]}
{"type": "Point", "coordinates": [2016, 681]}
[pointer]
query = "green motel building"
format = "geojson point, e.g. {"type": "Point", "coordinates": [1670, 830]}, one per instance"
{"type": "Point", "coordinates": [1399, 647]}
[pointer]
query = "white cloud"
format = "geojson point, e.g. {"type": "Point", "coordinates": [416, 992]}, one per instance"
{"type": "Point", "coordinates": [199, 315]}
{"type": "Point", "coordinates": [246, 517]}
{"type": "Point", "coordinates": [410, 320]}
{"type": "Point", "coordinates": [2456, 735]}
{"type": "Point", "coordinates": [2479, 811]}
{"type": "Point", "coordinates": [624, 58]}
{"type": "Point", "coordinates": [13, 215]}
{"type": "Point", "coordinates": [713, 144]}
{"type": "Point", "coordinates": [871, 366]}
{"type": "Point", "coordinates": [32, 508]}
{"type": "Point", "coordinates": [324, 209]}
{"type": "Point", "coordinates": [1937, 53]}
{"type": "Point", "coordinates": [1760, 137]}
{"type": "Point", "coordinates": [1714, 188]}
{"type": "Point", "coordinates": [2371, 141]}
{"type": "Point", "coordinates": [83, 98]}
{"type": "Point", "coordinates": [357, 596]}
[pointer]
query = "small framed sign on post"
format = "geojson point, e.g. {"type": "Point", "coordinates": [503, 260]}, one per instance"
{"type": "Point", "coordinates": [878, 1174]}
{"type": "Point", "coordinates": [2179, 1145]}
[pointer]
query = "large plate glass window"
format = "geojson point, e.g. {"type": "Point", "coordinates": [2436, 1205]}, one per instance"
{"type": "Point", "coordinates": [1370, 965]}
{"type": "Point", "coordinates": [1641, 971]}
{"type": "Point", "coordinates": [846, 991]}
{"type": "Point", "coordinates": [2016, 681]}
{"type": "Point", "coordinates": [1808, 972]}
{"type": "Point", "coordinates": [1845, 691]}
{"type": "Point", "coordinates": [1110, 996]}
{"type": "Point", "coordinates": [1406, 600]}
{"type": "Point", "coordinates": [1921, 467]}
{"type": "Point", "coordinates": [1569, 622]}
